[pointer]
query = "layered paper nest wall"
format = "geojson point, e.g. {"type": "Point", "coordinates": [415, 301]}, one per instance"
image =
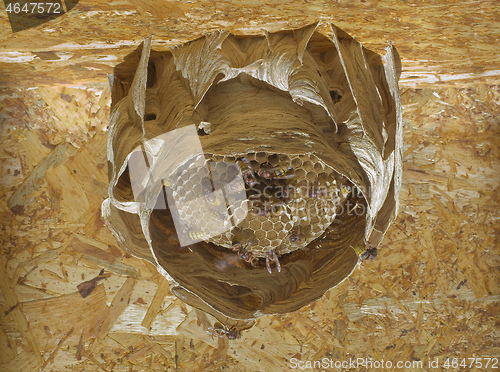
{"type": "Point", "coordinates": [319, 101]}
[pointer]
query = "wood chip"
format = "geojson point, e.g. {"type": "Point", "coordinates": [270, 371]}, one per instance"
{"type": "Point", "coordinates": [16, 313]}
{"type": "Point", "coordinates": [87, 287]}
{"type": "Point", "coordinates": [59, 345]}
{"type": "Point", "coordinates": [154, 308]}
{"type": "Point", "coordinates": [118, 305]}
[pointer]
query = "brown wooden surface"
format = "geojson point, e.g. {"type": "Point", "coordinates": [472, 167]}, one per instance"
{"type": "Point", "coordinates": [433, 291]}
{"type": "Point", "coordinates": [444, 43]}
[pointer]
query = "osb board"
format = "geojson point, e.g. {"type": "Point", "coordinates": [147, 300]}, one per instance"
{"type": "Point", "coordinates": [433, 291]}
{"type": "Point", "coordinates": [445, 43]}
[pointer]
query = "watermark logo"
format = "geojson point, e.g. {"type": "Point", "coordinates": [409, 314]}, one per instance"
{"type": "Point", "coordinates": [205, 198]}
{"type": "Point", "coordinates": [355, 364]}
{"type": "Point", "coordinates": [25, 14]}
{"type": "Point", "coordinates": [336, 199]}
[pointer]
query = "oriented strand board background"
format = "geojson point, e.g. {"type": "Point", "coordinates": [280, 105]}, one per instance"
{"type": "Point", "coordinates": [433, 292]}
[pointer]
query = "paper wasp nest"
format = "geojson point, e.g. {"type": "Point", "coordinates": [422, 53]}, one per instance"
{"type": "Point", "coordinates": [254, 171]}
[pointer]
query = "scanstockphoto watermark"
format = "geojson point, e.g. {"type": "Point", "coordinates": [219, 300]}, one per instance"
{"type": "Point", "coordinates": [354, 363]}
{"type": "Point", "coordinates": [481, 363]}
{"type": "Point", "coordinates": [277, 199]}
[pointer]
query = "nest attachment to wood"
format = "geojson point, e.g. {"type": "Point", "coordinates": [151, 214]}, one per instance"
{"type": "Point", "coordinates": [254, 171]}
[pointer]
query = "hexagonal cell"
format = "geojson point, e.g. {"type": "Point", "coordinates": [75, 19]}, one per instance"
{"type": "Point", "coordinates": [322, 177]}
{"type": "Point", "coordinates": [273, 159]}
{"type": "Point", "coordinates": [302, 213]}
{"type": "Point", "coordinates": [232, 171]}
{"type": "Point", "coordinates": [197, 190]}
{"type": "Point", "coordinates": [250, 156]}
{"type": "Point", "coordinates": [255, 224]}
{"type": "Point", "coordinates": [315, 229]}
{"type": "Point", "coordinates": [307, 166]}
{"type": "Point", "coordinates": [265, 243]}
{"type": "Point", "coordinates": [318, 167]}
{"type": "Point", "coordinates": [284, 158]}
{"type": "Point", "coordinates": [296, 163]}
{"type": "Point", "coordinates": [195, 179]}
{"type": "Point", "coordinates": [239, 213]}
{"type": "Point", "coordinates": [246, 233]}
{"type": "Point", "coordinates": [285, 218]}
{"type": "Point", "coordinates": [185, 176]}
{"type": "Point", "coordinates": [260, 234]}
{"type": "Point", "coordinates": [267, 225]}
{"type": "Point", "coordinates": [311, 176]}
{"type": "Point", "coordinates": [272, 234]}
{"type": "Point", "coordinates": [287, 227]}
{"type": "Point", "coordinates": [181, 192]}
{"type": "Point", "coordinates": [218, 169]}
{"type": "Point", "coordinates": [299, 173]}
{"type": "Point", "coordinates": [261, 157]}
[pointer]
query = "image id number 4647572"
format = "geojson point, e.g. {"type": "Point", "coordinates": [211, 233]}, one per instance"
{"type": "Point", "coordinates": [34, 8]}
{"type": "Point", "coordinates": [489, 363]}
